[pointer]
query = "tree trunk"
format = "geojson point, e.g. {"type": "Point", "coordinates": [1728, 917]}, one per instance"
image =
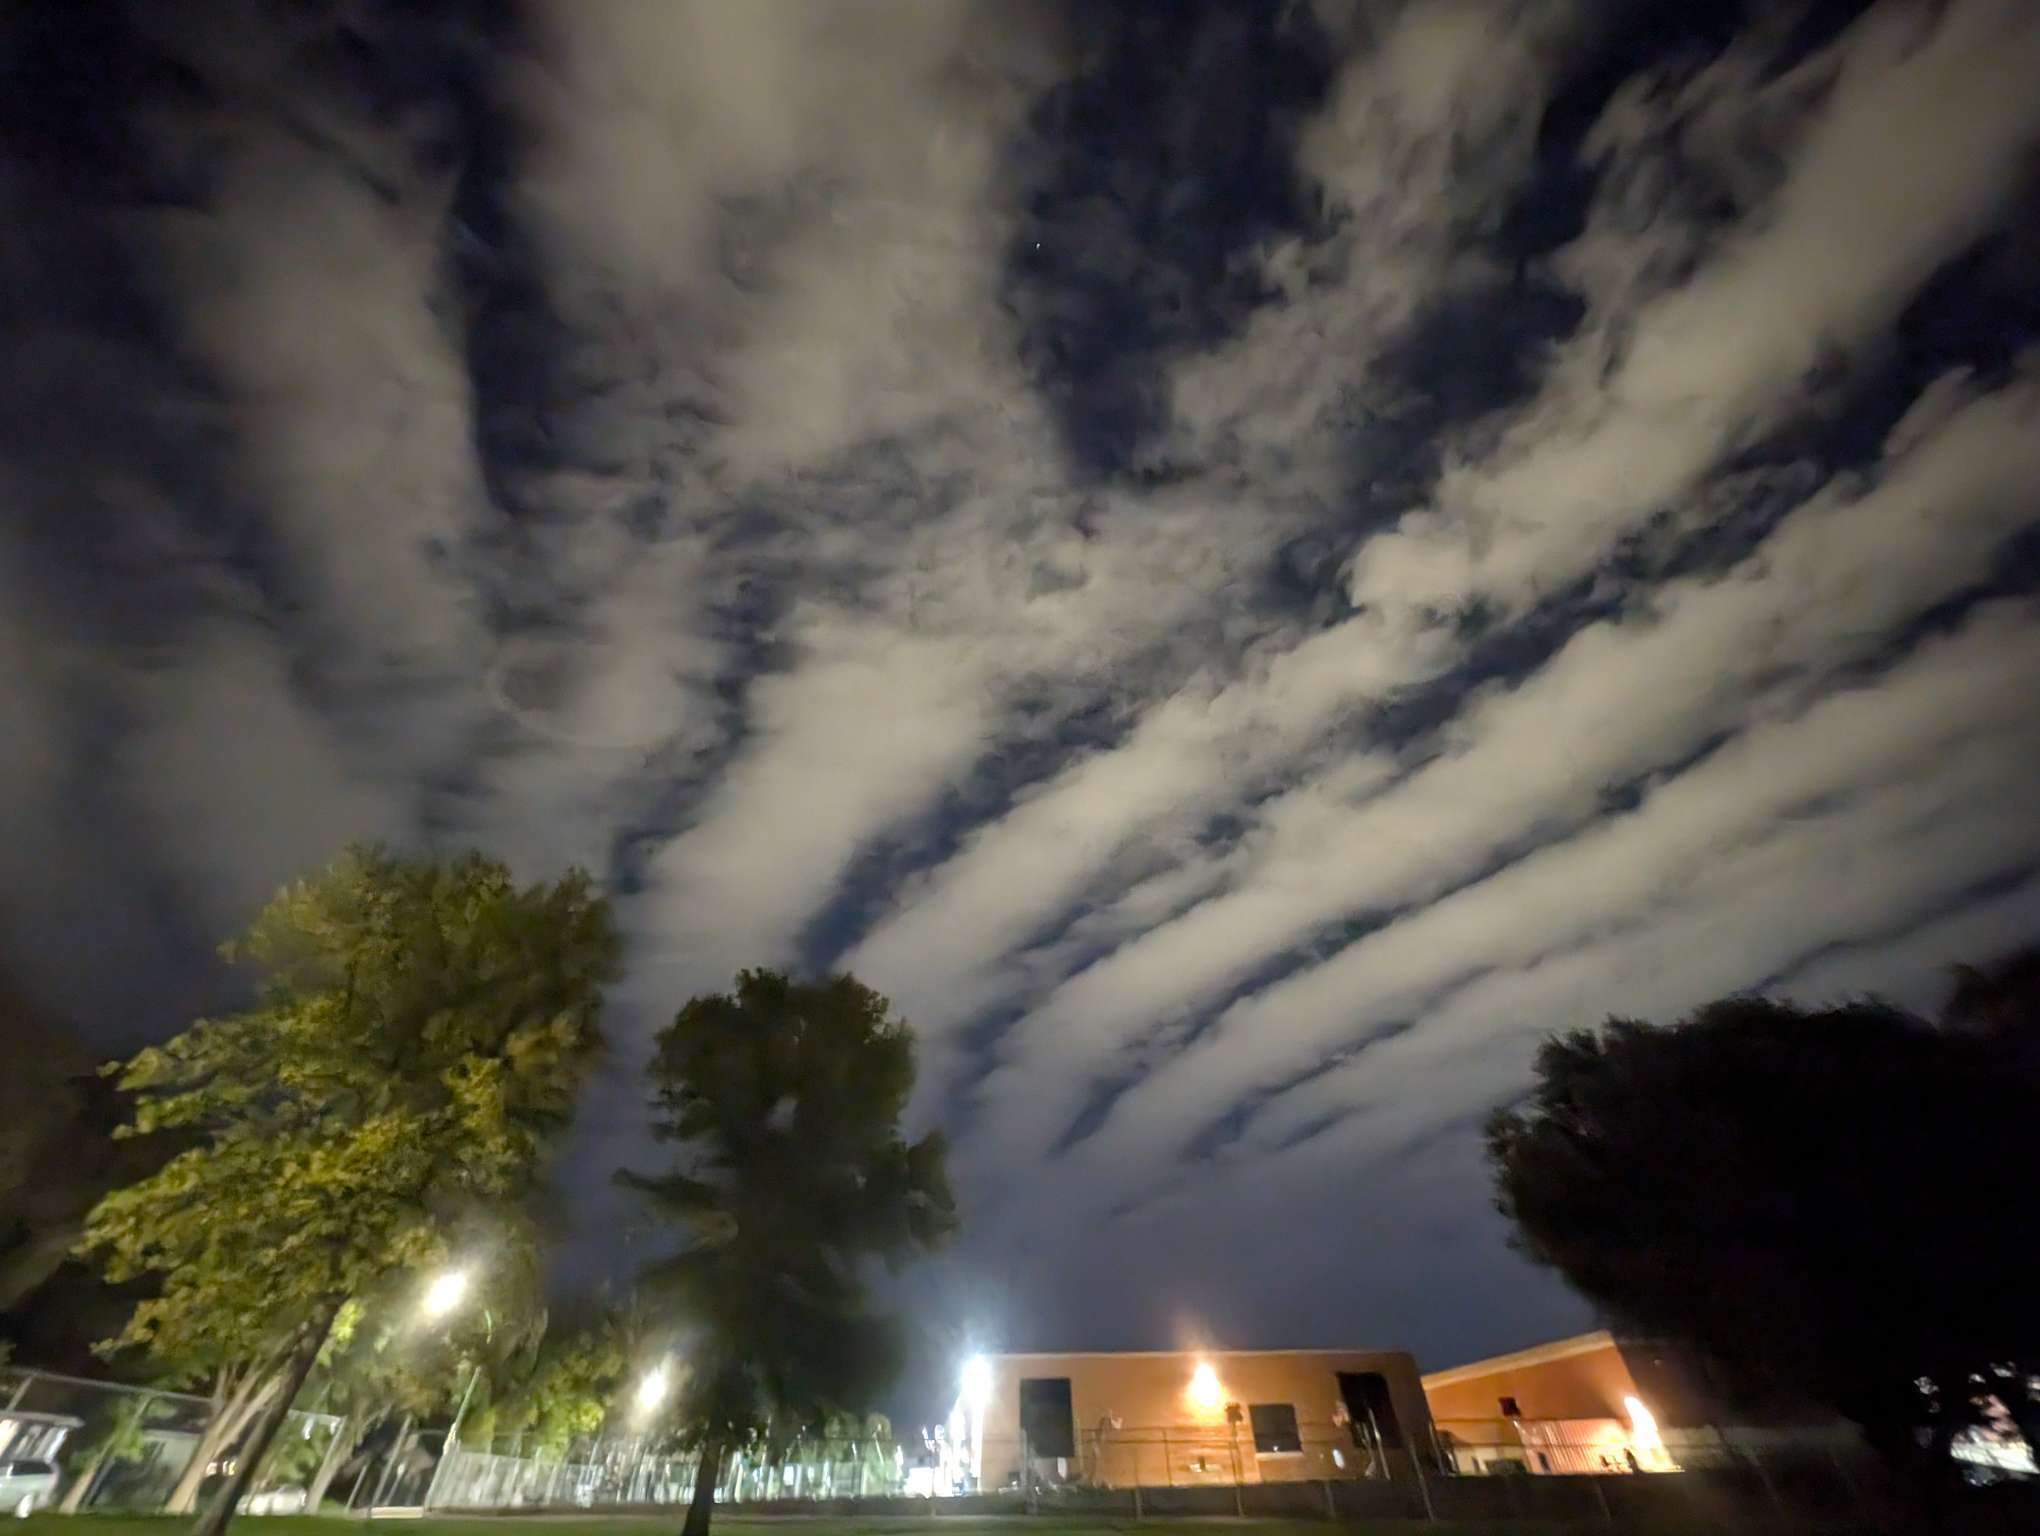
{"type": "Point", "coordinates": [238, 1404]}
{"type": "Point", "coordinates": [702, 1505]}
{"type": "Point", "coordinates": [336, 1455]}
{"type": "Point", "coordinates": [311, 1339]}
{"type": "Point", "coordinates": [74, 1499]}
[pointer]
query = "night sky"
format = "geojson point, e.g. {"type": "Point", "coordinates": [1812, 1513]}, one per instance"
{"type": "Point", "coordinates": [1243, 563]}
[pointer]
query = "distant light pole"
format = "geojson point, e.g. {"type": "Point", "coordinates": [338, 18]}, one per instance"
{"type": "Point", "coordinates": [443, 1293]}
{"type": "Point", "coordinates": [976, 1384]}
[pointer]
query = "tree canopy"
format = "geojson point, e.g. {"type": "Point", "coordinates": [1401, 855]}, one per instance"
{"type": "Point", "coordinates": [565, 1388]}
{"type": "Point", "coordinates": [784, 1100]}
{"type": "Point", "coordinates": [58, 1158]}
{"type": "Point", "coordinates": [419, 1032]}
{"type": "Point", "coordinates": [1829, 1205]}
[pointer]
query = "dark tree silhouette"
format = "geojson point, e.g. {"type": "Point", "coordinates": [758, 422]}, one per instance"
{"type": "Point", "coordinates": [1832, 1207]}
{"type": "Point", "coordinates": [785, 1100]}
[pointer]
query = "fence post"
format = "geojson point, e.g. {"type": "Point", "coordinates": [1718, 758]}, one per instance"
{"type": "Point", "coordinates": [392, 1466]}
{"type": "Point", "coordinates": [1239, 1499]}
{"type": "Point", "coordinates": [1168, 1461]}
{"type": "Point", "coordinates": [1601, 1498]}
{"type": "Point", "coordinates": [1331, 1505]}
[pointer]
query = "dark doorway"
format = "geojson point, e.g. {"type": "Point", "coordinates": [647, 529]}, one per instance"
{"type": "Point", "coordinates": [1365, 1394]}
{"type": "Point", "coordinates": [1046, 1418]}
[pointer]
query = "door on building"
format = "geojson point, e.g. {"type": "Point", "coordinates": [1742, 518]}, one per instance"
{"type": "Point", "coordinates": [1368, 1404]}
{"type": "Point", "coordinates": [1046, 1417]}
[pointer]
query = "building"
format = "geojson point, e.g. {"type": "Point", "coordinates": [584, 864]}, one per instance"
{"type": "Point", "coordinates": [26, 1436]}
{"type": "Point", "coordinates": [1587, 1404]}
{"type": "Point", "coordinates": [1181, 1419]}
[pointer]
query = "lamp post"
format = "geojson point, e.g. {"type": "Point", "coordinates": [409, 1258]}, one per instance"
{"type": "Point", "coordinates": [443, 1293]}
{"type": "Point", "coordinates": [652, 1388]}
{"type": "Point", "coordinates": [976, 1383]}
{"type": "Point", "coordinates": [446, 1448]}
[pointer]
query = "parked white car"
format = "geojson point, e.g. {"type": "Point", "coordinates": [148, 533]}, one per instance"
{"type": "Point", "coordinates": [26, 1486]}
{"type": "Point", "coordinates": [287, 1500]}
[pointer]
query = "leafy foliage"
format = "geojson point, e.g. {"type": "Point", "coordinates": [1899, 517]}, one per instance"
{"type": "Point", "coordinates": [58, 1158]}
{"type": "Point", "coordinates": [419, 1034]}
{"type": "Point", "coordinates": [784, 1100]}
{"type": "Point", "coordinates": [1824, 1203]}
{"type": "Point", "coordinates": [420, 1031]}
{"type": "Point", "coordinates": [567, 1387]}
{"type": "Point", "coordinates": [384, 1359]}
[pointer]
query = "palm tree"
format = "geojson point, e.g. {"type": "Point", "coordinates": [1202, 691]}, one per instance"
{"type": "Point", "coordinates": [784, 1100]}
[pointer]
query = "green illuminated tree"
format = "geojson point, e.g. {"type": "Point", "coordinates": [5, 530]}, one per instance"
{"type": "Point", "coordinates": [419, 1034]}
{"type": "Point", "coordinates": [1825, 1204]}
{"type": "Point", "coordinates": [785, 1101]}
{"type": "Point", "coordinates": [565, 1387]}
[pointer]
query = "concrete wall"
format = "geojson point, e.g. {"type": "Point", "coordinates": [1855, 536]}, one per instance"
{"type": "Point", "coordinates": [1582, 1378]}
{"type": "Point", "coordinates": [1148, 1394]}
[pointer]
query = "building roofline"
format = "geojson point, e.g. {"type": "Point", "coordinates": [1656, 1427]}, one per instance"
{"type": "Point", "coordinates": [1539, 1354]}
{"type": "Point", "coordinates": [1169, 1354]}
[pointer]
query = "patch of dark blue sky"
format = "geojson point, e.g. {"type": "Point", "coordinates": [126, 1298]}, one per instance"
{"type": "Point", "coordinates": [1146, 182]}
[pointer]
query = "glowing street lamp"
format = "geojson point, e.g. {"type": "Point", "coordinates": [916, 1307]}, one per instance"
{"type": "Point", "coordinates": [977, 1383]}
{"type": "Point", "coordinates": [652, 1389]}
{"type": "Point", "coordinates": [447, 1291]}
{"type": "Point", "coordinates": [1205, 1394]}
{"type": "Point", "coordinates": [975, 1380]}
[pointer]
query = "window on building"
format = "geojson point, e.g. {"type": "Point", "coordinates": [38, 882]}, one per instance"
{"type": "Point", "coordinates": [1275, 1431]}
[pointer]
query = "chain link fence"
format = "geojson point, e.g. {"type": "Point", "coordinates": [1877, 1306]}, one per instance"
{"type": "Point", "coordinates": [122, 1447]}
{"type": "Point", "coordinates": [626, 1469]}
{"type": "Point", "coordinates": [1566, 1472]}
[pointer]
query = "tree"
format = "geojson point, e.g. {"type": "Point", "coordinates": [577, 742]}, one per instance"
{"type": "Point", "coordinates": [568, 1386]}
{"type": "Point", "coordinates": [420, 1031]}
{"type": "Point", "coordinates": [384, 1358]}
{"type": "Point", "coordinates": [1826, 1205]}
{"type": "Point", "coordinates": [115, 1433]}
{"type": "Point", "coordinates": [785, 1100]}
{"type": "Point", "coordinates": [58, 1155]}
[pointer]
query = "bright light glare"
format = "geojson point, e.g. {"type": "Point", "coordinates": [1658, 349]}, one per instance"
{"type": "Point", "coordinates": [1643, 1430]}
{"type": "Point", "coordinates": [1205, 1394]}
{"type": "Point", "coordinates": [977, 1382]}
{"type": "Point", "coordinates": [445, 1292]}
{"type": "Point", "coordinates": [652, 1390]}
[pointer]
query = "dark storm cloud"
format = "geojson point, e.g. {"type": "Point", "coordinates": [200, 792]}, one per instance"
{"type": "Point", "coordinates": [1242, 564]}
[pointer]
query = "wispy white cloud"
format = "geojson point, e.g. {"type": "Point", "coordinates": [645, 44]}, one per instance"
{"type": "Point", "coordinates": [1625, 698]}
{"type": "Point", "coordinates": [1921, 137]}
{"type": "Point", "coordinates": [1562, 571]}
